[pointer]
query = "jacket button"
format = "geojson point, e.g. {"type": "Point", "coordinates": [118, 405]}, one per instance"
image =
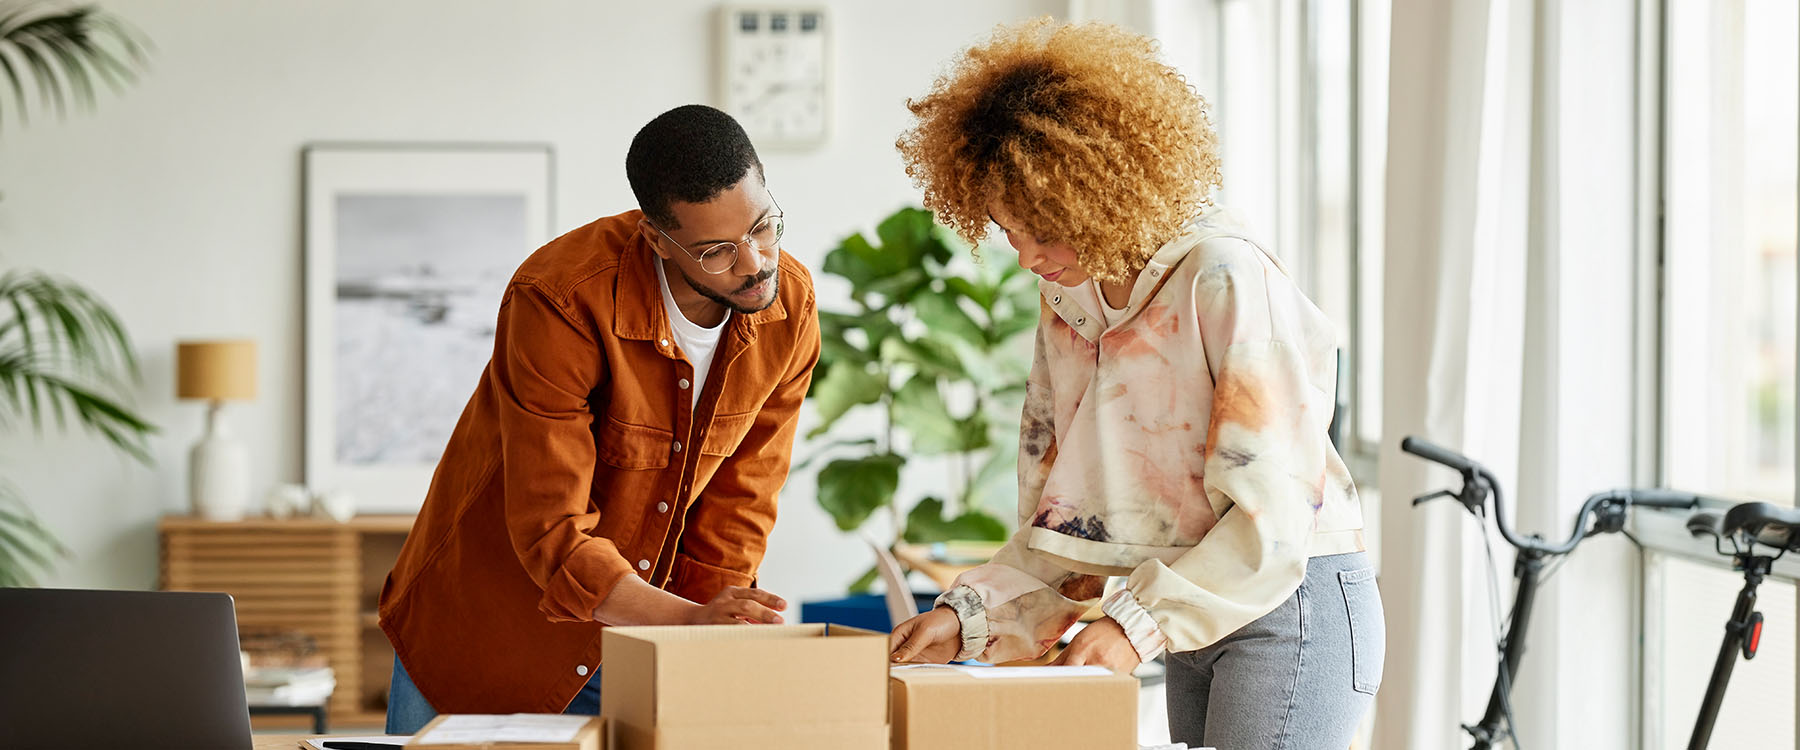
{"type": "Point", "coordinates": [1057, 300]}
{"type": "Point", "coordinates": [677, 446]}
{"type": "Point", "coordinates": [1155, 272]}
{"type": "Point", "coordinates": [581, 670]}
{"type": "Point", "coordinates": [643, 565]}
{"type": "Point", "coordinates": [662, 507]}
{"type": "Point", "coordinates": [664, 343]}
{"type": "Point", "coordinates": [683, 383]}
{"type": "Point", "coordinates": [1080, 321]}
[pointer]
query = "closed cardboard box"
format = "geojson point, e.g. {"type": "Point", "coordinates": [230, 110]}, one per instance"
{"type": "Point", "coordinates": [804, 687]}
{"type": "Point", "coordinates": [1002, 708]}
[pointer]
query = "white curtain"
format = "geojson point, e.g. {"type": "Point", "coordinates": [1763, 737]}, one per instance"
{"type": "Point", "coordinates": [1459, 157]}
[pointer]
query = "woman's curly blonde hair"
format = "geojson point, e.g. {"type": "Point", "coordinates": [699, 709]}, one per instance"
{"type": "Point", "coordinates": [1077, 130]}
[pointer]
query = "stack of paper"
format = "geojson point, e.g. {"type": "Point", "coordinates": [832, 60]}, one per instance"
{"type": "Point", "coordinates": [288, 686]}
{"type": "Point", "coordinates": [533, 731]}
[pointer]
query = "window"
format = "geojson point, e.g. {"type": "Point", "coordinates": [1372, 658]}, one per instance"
{"type": "Point", "coordinates": [1730, 77]}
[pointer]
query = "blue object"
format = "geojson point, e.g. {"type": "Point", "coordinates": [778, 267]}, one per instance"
{"type": "Point", "coordinates": [866, 611]}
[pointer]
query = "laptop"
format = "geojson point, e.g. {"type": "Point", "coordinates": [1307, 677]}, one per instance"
{"type": "Point", "coordinates": [83, 670]}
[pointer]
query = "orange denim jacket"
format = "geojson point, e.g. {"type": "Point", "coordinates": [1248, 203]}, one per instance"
{"type": "Point", "coordinates": [580, 460]}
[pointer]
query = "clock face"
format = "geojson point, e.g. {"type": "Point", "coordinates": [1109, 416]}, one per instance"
{"type": "Point", "coordinates": [775, 78]}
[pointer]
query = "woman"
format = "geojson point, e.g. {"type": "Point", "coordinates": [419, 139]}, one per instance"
{"type": "Point", "coordinates": [1174, 430]}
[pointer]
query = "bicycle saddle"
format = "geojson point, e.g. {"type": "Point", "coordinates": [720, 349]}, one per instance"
{"type": "Point", "coordinates": [1767, 524]}
{"type": "Point", "coordinates": [1704, 522]}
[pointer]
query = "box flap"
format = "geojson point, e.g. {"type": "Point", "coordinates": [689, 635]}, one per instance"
{"type": "Point", "coordinates": [819, 679]}
{"type": "Point", "coordinates": [628, 678]}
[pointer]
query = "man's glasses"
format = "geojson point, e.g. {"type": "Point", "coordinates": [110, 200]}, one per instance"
{"type": "Point", "coordinates": [722, 256]}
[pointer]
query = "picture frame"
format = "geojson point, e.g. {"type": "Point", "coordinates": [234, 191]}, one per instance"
{"type": "Point", "coordinates": [407, 249]}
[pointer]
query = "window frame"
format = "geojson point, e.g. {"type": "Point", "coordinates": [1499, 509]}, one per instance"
{"type": "Point", "coordinates": [1663, 538]}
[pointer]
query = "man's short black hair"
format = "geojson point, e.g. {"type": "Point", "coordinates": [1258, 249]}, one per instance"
{"type": "Point", "coordinates": [689, 154]}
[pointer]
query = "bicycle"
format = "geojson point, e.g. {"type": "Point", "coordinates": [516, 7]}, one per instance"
{"type": "Point", "coordinates": [1608, 510]}
{"type": "Point", "coordinates": [1746, 526]}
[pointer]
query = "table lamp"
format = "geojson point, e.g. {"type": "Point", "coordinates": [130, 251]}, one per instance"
{"type": "Point", "coordinates": [219, 467]}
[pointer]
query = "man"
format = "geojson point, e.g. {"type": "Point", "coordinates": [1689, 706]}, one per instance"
{"type": "Point", "coordinates": [619, 461]}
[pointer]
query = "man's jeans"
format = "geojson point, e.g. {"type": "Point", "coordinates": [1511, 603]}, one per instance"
{"type": "Point", "coordinates": [408, 712]}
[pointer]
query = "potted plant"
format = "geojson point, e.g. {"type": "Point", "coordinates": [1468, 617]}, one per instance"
{"type": "Point", "coordinates": [63, 353]}
{"type": "Point", "coordinates": [936, 345]}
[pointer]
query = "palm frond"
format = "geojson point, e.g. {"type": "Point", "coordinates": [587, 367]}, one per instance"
{"type": "Point", "coordinates": [64, 353]}
{"type": "Point", "coordinates": [27, 546]}
{"type": "Point", "coordinates": [60, 50]}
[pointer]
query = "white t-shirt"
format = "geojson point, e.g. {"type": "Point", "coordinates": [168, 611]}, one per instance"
{"type": "Point", "coordinates": [1112, 314]}
{"type": "Point", "coordinates": [697, 342]}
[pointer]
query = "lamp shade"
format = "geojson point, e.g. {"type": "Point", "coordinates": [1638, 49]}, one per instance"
{"type": "Point", "coordinates": [222, 370]}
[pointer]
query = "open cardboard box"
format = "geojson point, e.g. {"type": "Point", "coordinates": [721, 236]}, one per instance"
{"type": "Point", "coordinates": [804, 687]}
{"type": "Point", "coordinates": [1001, 708]}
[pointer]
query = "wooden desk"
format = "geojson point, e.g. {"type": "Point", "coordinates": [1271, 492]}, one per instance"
{"type": "Point", "coordinates": [281, 741]}
{"type": "Point", "coordinates": [293, 741]}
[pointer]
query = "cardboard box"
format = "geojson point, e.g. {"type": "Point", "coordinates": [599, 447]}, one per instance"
{"type": "Point", "coordinates": [1002, 708]}
{"type": "Point", "coordinates": [492, 732]}
{"type": "Point", "coordinates": [799, 687]}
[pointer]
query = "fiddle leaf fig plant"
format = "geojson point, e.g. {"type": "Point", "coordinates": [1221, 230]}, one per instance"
{"type": "Point", "coordinates": [934, 348]}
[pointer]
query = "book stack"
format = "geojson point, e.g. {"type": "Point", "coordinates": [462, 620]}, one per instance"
{"type": "Point", "coordinates": [284, 668]}
{"type": "Point", "coordinates": [288, 686]}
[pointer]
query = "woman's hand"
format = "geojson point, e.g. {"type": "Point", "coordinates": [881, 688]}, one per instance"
{"type": "Point", "coordinates": [1101, 643]}
{"type": "Point", "coordinates": [931, 638]}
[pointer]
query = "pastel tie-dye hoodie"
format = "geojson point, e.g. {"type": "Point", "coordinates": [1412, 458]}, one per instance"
{"type": "Point", "coordinates": [1183, 446]}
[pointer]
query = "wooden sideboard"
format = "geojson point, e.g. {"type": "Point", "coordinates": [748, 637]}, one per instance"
{"type": "Point", "coordinates": [320, 577]}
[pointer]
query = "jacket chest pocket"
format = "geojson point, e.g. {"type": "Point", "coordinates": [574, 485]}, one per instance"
{"type": "Point", "coordinates": [726, 433]}
{"type": "Point", "coordinates": [633, 447]}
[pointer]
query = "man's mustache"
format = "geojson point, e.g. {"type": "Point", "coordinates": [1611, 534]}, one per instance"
{"type": "Point", "coordinates": [757, 279]}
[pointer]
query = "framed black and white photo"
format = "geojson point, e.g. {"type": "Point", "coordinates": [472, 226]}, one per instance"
{"type": "Point", "coordinates": [408, 249]}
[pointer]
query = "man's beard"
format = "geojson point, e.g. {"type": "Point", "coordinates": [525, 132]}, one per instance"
{"type": "Point", "coordinates": [769, 273]}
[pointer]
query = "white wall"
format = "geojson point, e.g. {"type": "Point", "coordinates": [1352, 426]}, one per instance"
{"type": "Point", "coordinates": [178, 201]}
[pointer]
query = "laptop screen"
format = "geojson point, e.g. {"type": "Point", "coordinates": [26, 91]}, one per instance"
{"type": "Point", "coordinates": [120, 669]}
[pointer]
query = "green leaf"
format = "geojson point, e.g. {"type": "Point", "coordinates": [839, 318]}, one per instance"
{"type": "Point", "coordinates": [930, 357]}
{"type": "Point", "coordinates": [26, 545]}
{"type": "Point", "coordinates": [845, 385]}
{"type": "Point", "coordinates": [851, 489]}
{"type": "Point", "coordinates": [866, 581]}
{"type": "Point", "coordinates": [63, 49]}
{"type": "Point", "coordinates": [942, 315]}
{"type": "Point", "coordinates": [63, 352]}
{"type": "Point", "coordinates": [827, 448]}
{"type": "Point", "coordinates": [920, 410]}
{"type": "Point", "coordinates": [857, 261]}
{"type": "Point", "coordinates": [978, 292]}
{"type": "Point", "coordinates": [926, 524]}
{"type": "Point", "coordinates": [901, 287]}
{"type": "Point", "coordinates": [996, 483]}
{"type": "Point", "coordinates": [1008, 326]}
{"type": "Point", "coordinates": [911, 234]}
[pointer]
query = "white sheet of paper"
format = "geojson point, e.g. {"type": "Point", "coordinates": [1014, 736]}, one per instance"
{"type": "Point", "coordinates": [389, 739]}
{"type": "Point", "coordinates": [1014, 673]}
{"type": "Point", "coordinates": [475, 729]}
{"type": "Point", "coordinates": [1011, 673]}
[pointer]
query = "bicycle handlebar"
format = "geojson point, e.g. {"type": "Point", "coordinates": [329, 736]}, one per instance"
{"type": "Point", "coordinates": [1483, 481]}
{"type": "Point", "coordinates": [1438, 455]}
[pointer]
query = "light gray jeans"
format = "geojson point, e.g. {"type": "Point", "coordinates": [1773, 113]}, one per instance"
{"type": "Point", "coordinates": [1302, 676]}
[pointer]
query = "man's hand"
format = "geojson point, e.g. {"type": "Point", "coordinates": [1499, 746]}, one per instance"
{"type": "Point", "coordinates": [739, 605]}
{"type": "Point", "coordinates": [1101, 643]}
{"type": "Point", "coordinates": [931, 638]}
{"type": "Point", "coordinates": [634, 602]}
